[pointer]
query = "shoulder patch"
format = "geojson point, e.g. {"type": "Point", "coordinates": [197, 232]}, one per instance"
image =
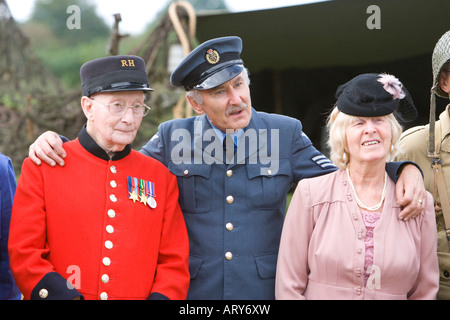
{"type": "Point", "coordinates": [323, 162]}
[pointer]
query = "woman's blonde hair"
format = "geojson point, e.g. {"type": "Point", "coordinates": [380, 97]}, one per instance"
{"type": "Point", "coordinates": [337, 124]}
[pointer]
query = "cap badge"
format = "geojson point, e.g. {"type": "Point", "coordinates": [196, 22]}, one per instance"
{"type": "Point", "coordinates": [212, 56]}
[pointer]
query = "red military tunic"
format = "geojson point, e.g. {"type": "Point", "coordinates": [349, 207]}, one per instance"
{"type": "Point", "coordinates": [78, 223]}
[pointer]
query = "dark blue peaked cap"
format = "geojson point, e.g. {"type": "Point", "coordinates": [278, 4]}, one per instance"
{"type": "Point", "coordinates": [210, 64]}
{"type": "Point", "coordinates": [114, 73]}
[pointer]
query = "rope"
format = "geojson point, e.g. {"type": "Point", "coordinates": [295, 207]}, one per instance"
{"type": "Point", "coordinates": [185, 43]}
{"type": "Point", "coordinates": [181, 108]}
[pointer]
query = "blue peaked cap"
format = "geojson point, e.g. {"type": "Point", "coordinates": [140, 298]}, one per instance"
{"type": "Point", "coordinates": [210, 64]}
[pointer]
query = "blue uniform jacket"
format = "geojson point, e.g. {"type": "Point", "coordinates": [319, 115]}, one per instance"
{"type": "Point", "coordinates": [234, 212]}
{"type": "Point", "coordinates": [8, 288]}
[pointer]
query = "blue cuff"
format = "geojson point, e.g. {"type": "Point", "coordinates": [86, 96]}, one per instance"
{"type": "Point", "coordinates": [394, 169]}
{"type": "Point", "coordinates": [54, 287]}
{"type": "Point", "coordinates": [157, 296]}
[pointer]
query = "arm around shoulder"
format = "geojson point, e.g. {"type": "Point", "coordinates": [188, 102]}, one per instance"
{"type": "Point", "coordinates": [48, 148]}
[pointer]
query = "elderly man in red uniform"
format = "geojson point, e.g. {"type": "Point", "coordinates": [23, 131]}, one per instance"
{"type": "Point", "coordinates": [108, 224]}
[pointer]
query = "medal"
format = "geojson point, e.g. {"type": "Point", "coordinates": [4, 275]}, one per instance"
{"type": "Point", "coordinates": [132, 189]}
{"type": "Point", "coordinates": [151, 195]}
{"type": "Point", "coordinates": [151, 202]}
{"type": "Point", "coordinates": [142, 192]}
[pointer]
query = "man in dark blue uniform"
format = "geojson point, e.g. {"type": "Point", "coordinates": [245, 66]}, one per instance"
{"type": "Point", "coordinates": [8, 287]}
{"type": "Point", "coordinates": [234, 199]}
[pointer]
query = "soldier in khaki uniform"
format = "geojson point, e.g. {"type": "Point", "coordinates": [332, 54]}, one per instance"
{"type": "Point", "coordinates": [434, 158]}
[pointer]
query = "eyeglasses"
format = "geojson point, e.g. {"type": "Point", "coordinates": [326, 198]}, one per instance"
{"type": "Point", "coordinates": [119, 108]}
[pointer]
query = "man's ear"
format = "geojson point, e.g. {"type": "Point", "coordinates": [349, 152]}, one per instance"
{"type": "Point", "coordinates": [195, 105]}
{"type": "Point", "coordinates": [86, 105]}
{"type": "Point", "coordinates": [444, 82]}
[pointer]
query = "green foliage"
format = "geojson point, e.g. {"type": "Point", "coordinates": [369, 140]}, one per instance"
{"type": "Point", "coordinates": [65, 61]}
{"type": "Point", "coordinates": [53, 13]}
{"type": "Point", "coordinates": [63, 50]}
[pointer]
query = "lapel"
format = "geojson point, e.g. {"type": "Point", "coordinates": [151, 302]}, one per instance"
{"type": "Point", "coordinates": [248, 147]}
{"type": "Point", "coordinates": [201, 127]}
{"type": "Point", "coordinates": [253, 142]}
{"type": "Point", "coordinates": [207, 146]}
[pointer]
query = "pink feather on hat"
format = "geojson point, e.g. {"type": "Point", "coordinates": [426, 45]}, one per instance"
{"type": "Point", "coordinates": [392, 85]}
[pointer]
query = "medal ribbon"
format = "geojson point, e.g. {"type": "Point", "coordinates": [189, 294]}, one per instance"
{"type": "Point", "coordinates": [130, 187]}
{"type": "Point", "coordinates": [141, 187]}
{"type": "Point", "coordinates": [150, 189]}
{"type": "Point", "coordinates": [136, 186]}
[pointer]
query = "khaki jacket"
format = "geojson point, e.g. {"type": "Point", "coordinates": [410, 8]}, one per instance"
{"type": "Point", "coordinates": [414, 144]}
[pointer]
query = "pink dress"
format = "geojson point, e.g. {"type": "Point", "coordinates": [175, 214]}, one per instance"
{"type": "Point", "coordinates": [329, 249]}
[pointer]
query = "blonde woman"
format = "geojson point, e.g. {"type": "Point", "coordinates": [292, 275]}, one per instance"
{"type": "Point", "coordinates": [342, 238]}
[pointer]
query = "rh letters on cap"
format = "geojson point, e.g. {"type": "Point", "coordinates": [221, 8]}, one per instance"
{"type": "Point", "coordinates": [127, 63]}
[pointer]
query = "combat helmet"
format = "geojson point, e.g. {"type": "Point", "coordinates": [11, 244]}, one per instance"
{"type": "Point", "coordinates": [441, 55]}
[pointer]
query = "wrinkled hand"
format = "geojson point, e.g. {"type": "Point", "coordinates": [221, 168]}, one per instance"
{"type": "Point", "coordinates": [47, 148]}
{"type": "Point", "coordinates": [410, 192]}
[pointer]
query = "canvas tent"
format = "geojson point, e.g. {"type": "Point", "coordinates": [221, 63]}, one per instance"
{"type": "Point", "coordinates": [299, 55]}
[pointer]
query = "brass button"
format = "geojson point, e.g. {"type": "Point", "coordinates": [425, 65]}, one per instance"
{"type": "Point", "coordinates": [113, 169]}
{"type": "Point", "coordinates": [230, 199]}
{"type": "Point", "coordinates": [229, 226]}
{"type": "Point", "coordinates": [229, 173]}
{"type": "Point", "coordinates": [228, 255]}
{"type": "Point", "coordinates": [103, 296]}
{"type": "Point", "coordinates": [43, 293]}
{"type": "Point", "coordinates": [186, 172]}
